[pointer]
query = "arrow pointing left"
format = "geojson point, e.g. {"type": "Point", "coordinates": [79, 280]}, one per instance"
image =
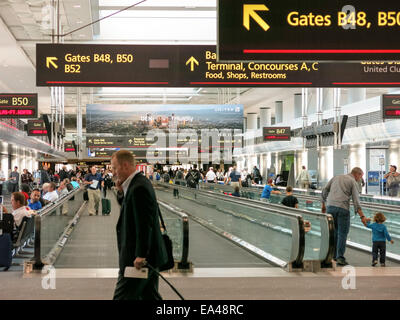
{"type": "Point", "coordinates": [50, 60]}
{"type": "Point", "coordinates": [249, 10]}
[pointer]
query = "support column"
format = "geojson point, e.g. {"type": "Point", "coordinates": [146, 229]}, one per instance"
{"type": "Point", "coordinates": [327, 100]}
{"type": "Point", "coordinates": [252, 121]}
{"type": "Point", "coordinates": [298, 105]}
{"type": "Point", "coordinates": [356, 94]}
{"type": "Point", "coordinates": [278, 111]}
{"type": "Point", "coordinates": [312, 103]}
{"type": "Point", "coordinates": [79, 122]}
{"type": "Point", "coordinates": [265, 117]}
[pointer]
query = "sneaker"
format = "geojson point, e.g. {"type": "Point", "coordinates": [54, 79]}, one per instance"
{"type": "Point", "coordinates": [374, 263]}
{"type": "Point", "coordinates": [342, 262]}
{"type": "Point", "coordinates": [383, 265]}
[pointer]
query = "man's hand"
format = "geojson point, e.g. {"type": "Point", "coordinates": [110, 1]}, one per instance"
{"type": "Point", "coordinates": [391, 241]}
{"type": "Point", "coordinates": [364, 220]}
{"type": "Point", "coordinates": [139, 263]}
{"type": "Point", "coordinates": [118, 185]}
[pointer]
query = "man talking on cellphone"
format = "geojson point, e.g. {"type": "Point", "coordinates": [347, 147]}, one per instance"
{"type": "Point", "coordinates": [138, 230]}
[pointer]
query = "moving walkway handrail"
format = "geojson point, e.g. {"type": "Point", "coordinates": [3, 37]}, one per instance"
{"type": "Point", "coordinates": [300, 243]}
{"type": "Point", "coordinates": [364, 204]}
{"type": "Point", "coordinates": [183, 264]}
{"type": "Point", "coordinates": [45, 211]}
{"type": "Point", "coordinates": [278, 207]}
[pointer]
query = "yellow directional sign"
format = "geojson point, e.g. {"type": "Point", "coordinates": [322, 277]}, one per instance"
{"type": "Point", "coordinates": [192, 62]}
{"type": "Point", "coordinates": [249, 10]}
{"type": "Point", "coordinates": [50, 60]}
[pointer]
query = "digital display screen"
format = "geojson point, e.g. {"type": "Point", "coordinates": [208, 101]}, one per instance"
{"type": "Point", "coordinates": [69, 147]}
{"type": "Point", "coordinates": [391, 106]}
{"type": "Point", "coordinates": [36, 128]}
{"type": "Point", "coordinates": [18, 105]}
{"type": "Point", "coordinates": [276, 133]}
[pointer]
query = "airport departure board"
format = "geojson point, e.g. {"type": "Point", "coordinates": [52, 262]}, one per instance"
{"type": "Point", "coordinates": [88, 65]}
{"type": "Point", "coordinates": [18, 105]}
{"type": "Point", "coordinates": [391, 106]}
{"type": "Point", "coordinates": [36, 128]}
{"type": "Point", "coordinates": [276, 133]}
{"type": "Point", "coordinates": [312, 30]}
{"type": "Point", "coordinates": [69, 147]}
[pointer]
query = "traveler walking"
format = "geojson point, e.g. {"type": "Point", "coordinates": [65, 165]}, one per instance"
{"type": "Point", "coordinates": [93, 181]}
{"type": "Point", "coordinates": [379, 236]}
{"type": "Point", "coordinates": [303, 179]}
{"type": "Point", "coordinates": [392, 181]}
{"type": "Point", "coordinates": [138, 231]}
{"type": "Point", "coordinates": [14, 180]}
{"type": "Point", "coordinates": [336, 201]}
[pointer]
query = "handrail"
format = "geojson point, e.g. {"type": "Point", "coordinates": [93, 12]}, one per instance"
{"type": "Point", "coordinates": [300, 243]}
{"type": "Point", "coordinates": [48, 208]}
{"type": "Point", "coordinates": [45, 211]}
{"type": "Point", "coordinates": [364, 204]}
{"type": "Point", "coordinates": [328, 217]}
{"type": "Point", "coordinates": [183, 264]}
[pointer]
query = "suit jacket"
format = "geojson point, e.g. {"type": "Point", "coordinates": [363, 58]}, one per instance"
{"type": "Point", "coordinates": [138, 227]}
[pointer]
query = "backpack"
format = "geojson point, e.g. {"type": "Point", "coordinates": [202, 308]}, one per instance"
{"type": "Point", "coordinates": [179, 175]}
{"type": "Point", "coordinates": [158, 176]}
{"type": "Point", "coordinates": [193, 179]}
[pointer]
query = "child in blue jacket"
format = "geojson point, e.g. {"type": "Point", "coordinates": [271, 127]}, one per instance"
{"type": "Point", "coordinates": [379, 237]}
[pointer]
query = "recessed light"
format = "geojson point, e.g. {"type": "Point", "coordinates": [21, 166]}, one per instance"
{"type": "Point", "coordinates": [79, 22]}
{"type": "Point", "coordinates": [76, 5]}
{"type": "Point", "coordinates": [81, 35]}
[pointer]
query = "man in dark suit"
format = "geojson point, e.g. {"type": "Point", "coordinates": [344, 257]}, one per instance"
{"type": "Point", "coordinates": [138, 230]}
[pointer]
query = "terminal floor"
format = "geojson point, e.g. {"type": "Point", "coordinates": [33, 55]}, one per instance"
{"type": "Point", "coordinates": [87, 270]}
{"type": "Point", "coordinates": [93, 244]}
{"type": "Point", "coordinates": [212, 284]}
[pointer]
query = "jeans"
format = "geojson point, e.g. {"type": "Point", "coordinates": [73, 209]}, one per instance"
{"type": "Point", "coordinates": [341, 218]}
{"type": "Point", "coordinates": [381, 247]}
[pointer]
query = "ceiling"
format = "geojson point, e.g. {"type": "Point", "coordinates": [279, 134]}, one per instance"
{"type": "Point", "coordinates": [23, 23]}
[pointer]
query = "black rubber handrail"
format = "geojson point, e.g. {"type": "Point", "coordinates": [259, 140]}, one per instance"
{"type": "Point", "coordinates": [46, 210]}
{"type": "Point", "coordinates": [298, 261]}
{"type": "Point", "coordinates": [183, 263]}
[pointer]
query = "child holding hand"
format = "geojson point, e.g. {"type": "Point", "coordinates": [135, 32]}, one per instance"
{"type": "Point", "coordinates": [379, 237]}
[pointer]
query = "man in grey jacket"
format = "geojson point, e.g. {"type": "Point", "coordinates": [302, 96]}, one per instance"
{"type": "Point", "coordinates": [337, 194]}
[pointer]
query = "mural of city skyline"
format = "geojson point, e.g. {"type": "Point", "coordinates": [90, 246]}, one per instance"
{"type": "Point", "coordinates": [139, 119]}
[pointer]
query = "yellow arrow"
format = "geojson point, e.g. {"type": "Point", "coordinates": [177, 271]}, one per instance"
{"type": "Point", "coordinates": [50, 60]}
{"type": "Point", "coordinates": [192, 61]}
{"type": "Point", "coordinates": [249, 10]}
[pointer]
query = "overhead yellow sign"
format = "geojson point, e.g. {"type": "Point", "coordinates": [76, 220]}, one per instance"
{"type": "Point", "coordinates": [192, 62]}
{"type": "Point", "coordinates": [50, 60]}
{"type": "Point", "coordinates": [249, 10]}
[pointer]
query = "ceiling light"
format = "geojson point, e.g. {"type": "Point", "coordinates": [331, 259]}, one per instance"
{"type": "Point", "coordinates": [76, 5]}
{"type": "Point", "coordinates": [79, 22]}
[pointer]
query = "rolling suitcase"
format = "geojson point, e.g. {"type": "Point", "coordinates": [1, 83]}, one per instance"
{"type": "Point", "coordinates": [105, 206]}
{"type": "Point", "coordinates": [5, 245]}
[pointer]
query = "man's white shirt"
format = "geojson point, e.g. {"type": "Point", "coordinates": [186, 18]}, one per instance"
{"type": "Point", "coordinates": [51, 196]}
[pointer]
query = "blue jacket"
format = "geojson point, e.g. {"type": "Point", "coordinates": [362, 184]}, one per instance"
{"type": "Point", "coordinates": [379, 232]}
{"type": "Point", "coordinates": [266, 191]}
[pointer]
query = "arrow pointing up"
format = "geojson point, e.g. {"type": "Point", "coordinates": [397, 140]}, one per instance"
{"type": "Point", "coordinates": [249, 10]}
{"type": "Point", "coordinates": [192, 61]}
{"type": "Point", "coordinates": [50, 60]}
